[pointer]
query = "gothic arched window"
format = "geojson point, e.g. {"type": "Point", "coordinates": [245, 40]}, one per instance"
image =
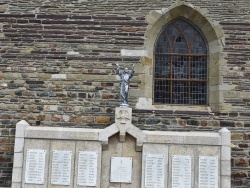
{"type": "Point", "coordinates": [180, 71]}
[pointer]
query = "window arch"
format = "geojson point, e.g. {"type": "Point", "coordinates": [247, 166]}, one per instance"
{"type": "Point", "coordinates": [181, 64]}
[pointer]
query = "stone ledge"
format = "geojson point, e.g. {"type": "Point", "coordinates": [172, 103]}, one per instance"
{"type": "Point", "coordinates": [189, 138]}
{"type": "Point", "coordinates": [59, 133]}
{"type": "Point", "coordinates": [62, 133]}
{"type": "Point", "coordinates": [134, 53]}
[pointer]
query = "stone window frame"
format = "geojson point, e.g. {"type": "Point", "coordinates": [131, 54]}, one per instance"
{"type": "Point", "coordinates": [217, 65]}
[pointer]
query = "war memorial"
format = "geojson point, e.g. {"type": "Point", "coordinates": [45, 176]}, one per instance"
{"type": "Point", "coordinates": [120, 155]}
{"type": "Point", "coordinates": [128, 93]}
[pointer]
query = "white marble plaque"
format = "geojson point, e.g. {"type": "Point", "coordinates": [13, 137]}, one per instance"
{"type": "Point", "coordinates": [61, 167]}
{"type": "Point", "coordinates": [181, 171]}
{"type": "Point", "coordinates": [35, 166]}
{"type": "Point", "coordinates": [121, 169]}
{"type": "Point", "coordinates": [208, 172]}
{"type": "Point", "coordinates": [87, 168]}
{"type": "Point", "coordinates": [154, 171]}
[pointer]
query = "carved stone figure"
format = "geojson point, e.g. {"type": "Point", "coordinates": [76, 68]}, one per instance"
{"type": "Point", "coordinates": [125, 77]}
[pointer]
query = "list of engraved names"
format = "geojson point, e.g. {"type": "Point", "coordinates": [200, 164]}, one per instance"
{"type": "Point", "coordinates": [87, 168]}
{"type": "Point", "coordinates": [208, 172]}
{"type": "Point", "coordinates": [154, 171]}
{"type": "Point", "coordinates": [35, 162]}
{"type": "Point", "coordinates": [61, 167]}
{"type": "Point", "coordinates": [181, 171]}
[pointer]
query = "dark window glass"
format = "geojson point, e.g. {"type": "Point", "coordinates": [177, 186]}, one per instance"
{"type": "Point", "coordinates": [180, 71]}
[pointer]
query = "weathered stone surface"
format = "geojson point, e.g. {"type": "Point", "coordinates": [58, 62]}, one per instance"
{"type": "Point", "coordinates": [103, 119]}
{"type": "Point", "coordinates": [182, 122]}
{"type": "Point", "coordinates": [153, 120]}
{"type": "Point", "coordinates": [236, 136]}
{"type": "Point", "coordinates": [203, 123]}
{"type": "Point", "coordinates": [242, 162]}
{"type": "Point", "coordinates": [4, 8]}
{"type": "Point", "coordinates": [239, 175]}
{"type": "Point", "coordinates": [67, 53]}
{"type": "Point", "coordinates": [214, 123]}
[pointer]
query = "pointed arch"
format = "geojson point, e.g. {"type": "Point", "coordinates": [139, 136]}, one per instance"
{"type": "Point", "coordinates": [180, 75]}
{"type": "Point", "coordinates": [212, 34]}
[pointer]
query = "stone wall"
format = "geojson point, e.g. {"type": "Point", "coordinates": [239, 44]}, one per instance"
{"type": "Point", "coordinates": [58, 61]}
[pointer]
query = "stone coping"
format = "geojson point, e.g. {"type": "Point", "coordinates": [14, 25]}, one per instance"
{"type": "Point", "coordinates": [193, 138]}
{"type": "Point", "coordinates": [60, 133]}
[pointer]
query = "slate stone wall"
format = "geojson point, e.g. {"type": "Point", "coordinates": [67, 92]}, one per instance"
{"type": "Point", "coordinates": [57, 68]}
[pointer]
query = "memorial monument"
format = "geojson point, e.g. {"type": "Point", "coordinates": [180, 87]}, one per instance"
{"type": "Point", "coordinates": [120, 155]}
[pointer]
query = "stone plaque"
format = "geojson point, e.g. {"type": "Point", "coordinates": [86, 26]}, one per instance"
{"type": "Point", "coordinates": [61, 167]}
{"type": "Point", "coordinates": [208, 172]}
{"type": "Point", "coordinates": [87, 168]}
{"type": "Point", "coordinates": [121, 169]}
{"type": "Point", "coordinates": [181, 171]}
{"type": "Point", "coordinates": [154, 171]}
{"type": "Point", "coordinates": [35, 166]}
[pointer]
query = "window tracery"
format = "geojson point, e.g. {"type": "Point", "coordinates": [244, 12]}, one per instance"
{"type": "Point", "coordinates": [180, 71]}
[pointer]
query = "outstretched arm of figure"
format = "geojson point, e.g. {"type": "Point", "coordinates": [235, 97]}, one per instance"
{"type": "Point", "coordinates": [118, 68]}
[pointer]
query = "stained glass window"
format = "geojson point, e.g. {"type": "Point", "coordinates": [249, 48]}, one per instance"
{"type": "Point", "coordinates": [180, 71]}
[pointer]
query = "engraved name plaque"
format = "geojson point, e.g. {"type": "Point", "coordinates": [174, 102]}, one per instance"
{"type": "Point", "coordinates": [87, 168]}
{"type": "Point", "coordinates": [154, 171]}
{"type": "Point", "coordinates": [61, 167]}
{"type": "Point", "coordinates": [181, 171]}
{"type": "Point", "coordinates": [35, 166]}
{"type": "Point", "coordinates": [121, 169]}
{"type": "Point", "coordinates": [208, 172]}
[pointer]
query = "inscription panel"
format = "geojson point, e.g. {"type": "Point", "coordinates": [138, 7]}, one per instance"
{"type": "Point", "coordinates": [61, 167]}
{"type": "Point", "coordinates": [121, 169]}
{"type": "Point", "coordinates": [87, 168]}
{"type": "Point", "coordinates": [35, 166]}
{"type": "Point", "coordinates": [154, 171]}
{"type": "Point", "coordinates": [208, 172]}
{"type": "Point", "coordinates": [181, 171]}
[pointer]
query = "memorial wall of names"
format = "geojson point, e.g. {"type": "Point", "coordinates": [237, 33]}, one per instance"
{"type": "Point", "coordinates": [98, 158]}
{"type": "Point", "coordinates": [121, 169]}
